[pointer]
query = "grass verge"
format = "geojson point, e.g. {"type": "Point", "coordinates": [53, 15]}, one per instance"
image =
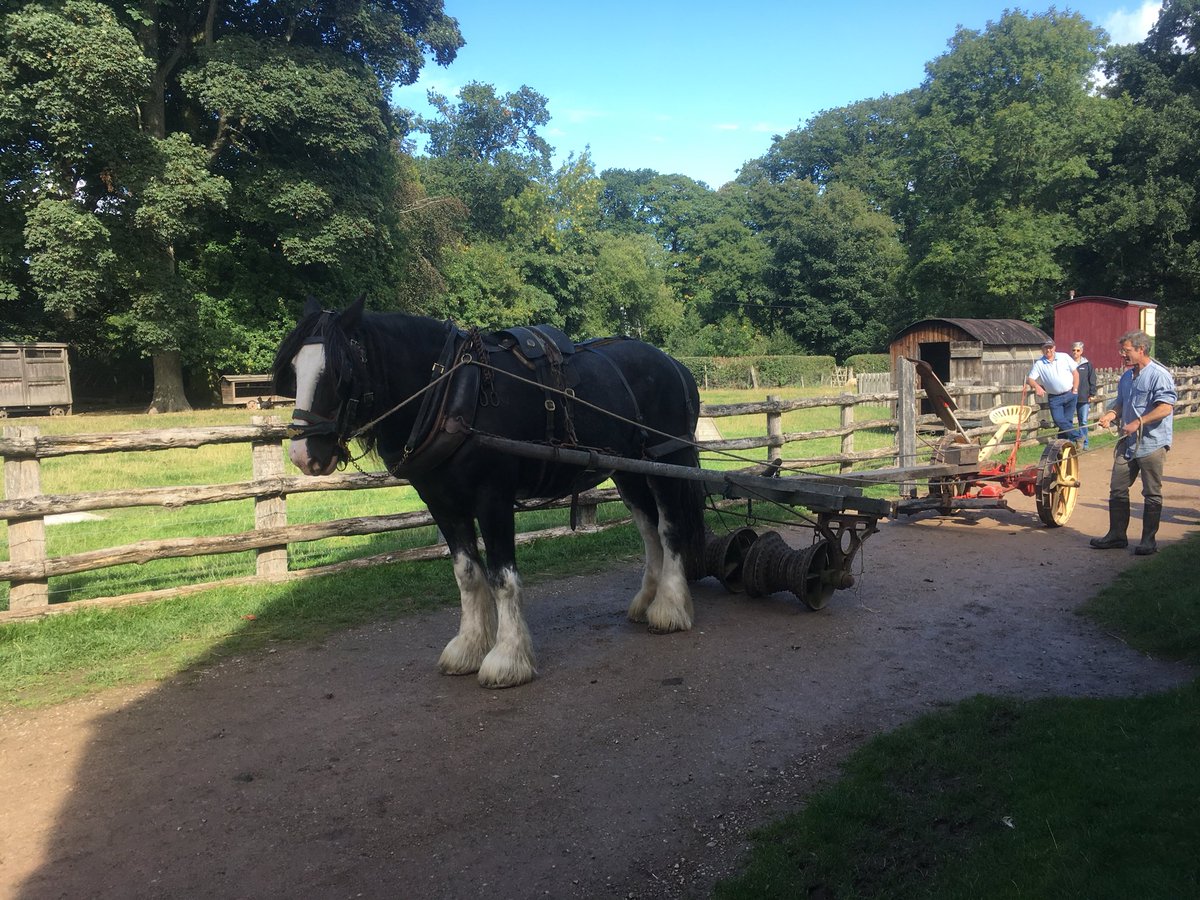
{"type": "Point", "coordinates": [1003, 798]}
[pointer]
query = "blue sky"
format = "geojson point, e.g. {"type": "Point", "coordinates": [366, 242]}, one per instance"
{"type": "Point", "coordinates": [699, 88]}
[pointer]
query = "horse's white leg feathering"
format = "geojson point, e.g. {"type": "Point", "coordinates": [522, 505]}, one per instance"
{"type": "Point", "coordinates": [511, 661]}
{"type": "Point", "coordinates": [477, 628]}
{"type": "Point", "coordinates": [651, 574]}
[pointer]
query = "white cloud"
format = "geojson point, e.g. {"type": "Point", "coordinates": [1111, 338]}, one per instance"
{"type": "Point", "coordinates": [726, 126]}
{"type": "Point", "coordinates": [1127, 27]}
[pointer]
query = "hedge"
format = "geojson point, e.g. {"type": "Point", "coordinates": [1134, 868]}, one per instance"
{"type": "Point", "coordinates": [870, 362]}
{"type": "Point", "coordinates": [767, 371]}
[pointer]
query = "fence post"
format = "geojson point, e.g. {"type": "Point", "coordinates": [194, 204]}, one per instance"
{"type": "Point", "coordinates": [270, 510]}
{"type": "Point", "coordinates": [848, 437]}
{"type": "Point", "coordinates": [774, 427]}
{"type": "Point", "coordinates": [26, 537]}
{"type": "Point", "coordinates": [906, 421]}
{"type": "Point", "coordinates": [585, 514]}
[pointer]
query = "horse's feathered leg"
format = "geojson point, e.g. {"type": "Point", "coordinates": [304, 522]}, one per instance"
{"type": "Point", "coordinates": [663, 602]}
{"type": "Point", "coordinates": [672, 609]}
{"type": "Point", "coordinates": [477, 627]}
{"type": "Point", "coordinates": [511, 661]}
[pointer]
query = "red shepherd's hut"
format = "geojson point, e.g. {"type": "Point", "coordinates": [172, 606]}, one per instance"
{"type": "Point", "coordinates": [1099, 322]}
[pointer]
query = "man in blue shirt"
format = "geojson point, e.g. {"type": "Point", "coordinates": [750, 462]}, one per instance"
{"type": "Point", "coordinates": [1057, 378]}
{"type": "Point", "coordinates": [1145, 406]}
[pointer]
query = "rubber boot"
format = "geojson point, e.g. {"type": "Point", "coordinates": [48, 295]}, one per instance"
{"type": "Point", "coordinates": [1151, 514]}
{"type": "Point", "coordinates": [1118, 524]}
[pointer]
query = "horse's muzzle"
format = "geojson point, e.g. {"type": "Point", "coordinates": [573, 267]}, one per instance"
{"type": "Point", "coordinates": [301, 453]}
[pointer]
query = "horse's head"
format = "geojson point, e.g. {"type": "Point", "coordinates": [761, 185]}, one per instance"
{"type": "Point", "coordinates": [321, 364]}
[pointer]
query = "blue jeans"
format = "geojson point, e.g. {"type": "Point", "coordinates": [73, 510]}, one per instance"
{"type": "Point", "coordinates": [1062, 410]}
{"type": "Point", "coordinates": [1081, 412]}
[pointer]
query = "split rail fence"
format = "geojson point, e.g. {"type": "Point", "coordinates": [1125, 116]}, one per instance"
{"type": "Point", "coordinates": [25, 507]}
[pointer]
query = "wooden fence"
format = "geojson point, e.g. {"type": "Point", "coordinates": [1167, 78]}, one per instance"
{"type": "Point", "coordinates": [25, 508]}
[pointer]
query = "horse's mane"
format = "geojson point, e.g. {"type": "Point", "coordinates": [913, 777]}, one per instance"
{"type": "Point", "coordinates": [340, 356]}
{"type": "Point", "coordinates": [359, 356]}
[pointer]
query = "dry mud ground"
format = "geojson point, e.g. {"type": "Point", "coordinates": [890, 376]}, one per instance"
{"type": "Point", "coordinates": [633, 767]}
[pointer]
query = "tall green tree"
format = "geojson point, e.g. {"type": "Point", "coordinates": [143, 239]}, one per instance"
{"type": "Point", "coordinates": [1006, 136]}
{"type": "Point", "coordinates": [833, 269]}
{"type": "Point", "coordinates": [1142, 219]}
{"type": "Point", "coordinates": [484, 149]}
{"type": "Point", "coordinates": [177, 167]}
{"type": "Point", "coordinates": [865, 145]}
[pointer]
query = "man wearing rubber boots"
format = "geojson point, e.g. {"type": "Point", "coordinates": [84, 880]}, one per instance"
{"type": "Point", "coordinates": [1145, 407]}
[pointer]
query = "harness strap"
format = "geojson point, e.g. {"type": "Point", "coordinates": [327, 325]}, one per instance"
{"type": "Point", "coordinates": [431, 401]}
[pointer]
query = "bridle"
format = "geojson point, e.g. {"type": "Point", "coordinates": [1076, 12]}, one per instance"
{"type": "Point", "coordinates": [341, 425]}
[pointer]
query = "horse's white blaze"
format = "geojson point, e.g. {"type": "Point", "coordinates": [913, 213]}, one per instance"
{"type": "Point", "coordinates": [650, 575]}
{"type": "Point", "coordinates": [477, 628]}
{"type": "Point", "coordinates": [511, 661]}
{"type": "Point", "coordinates": [309, 366]}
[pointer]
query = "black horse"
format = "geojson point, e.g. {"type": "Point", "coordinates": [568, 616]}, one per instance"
{"type": "Point", "coordinates": [424, 395]}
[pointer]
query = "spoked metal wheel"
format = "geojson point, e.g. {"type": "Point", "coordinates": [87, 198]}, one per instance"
{"type": "Point", "coordinates": [1058, 483]}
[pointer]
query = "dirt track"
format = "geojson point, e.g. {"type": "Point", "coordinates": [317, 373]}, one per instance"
{"type": "Point", "coordinates": [631, 768]}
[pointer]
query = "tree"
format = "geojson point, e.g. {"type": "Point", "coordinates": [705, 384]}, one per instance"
{"type": "Point", "coordinates": [201, 160]}
{"type": "Point", "coordinates": [1141, 216]}
{"type": "Point", "coordinates": [864, 145]}
{"type": "Point", "coordinates": [1006, 136]}
{"type": "Point", "coordinates": [485, 150]}
{"type": "Point", "coordinates": [834, 263]}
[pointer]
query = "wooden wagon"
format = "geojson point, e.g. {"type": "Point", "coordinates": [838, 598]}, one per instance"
{"type": "Point", "coordinates": [35, 379]}
{"type": "Point", "coordinates": [250, 391]}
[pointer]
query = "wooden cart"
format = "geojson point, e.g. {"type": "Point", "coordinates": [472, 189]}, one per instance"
{"type": "Point", "coordinates": [35, 379]}
{"type": "Point", "coordinates": [250, 391]}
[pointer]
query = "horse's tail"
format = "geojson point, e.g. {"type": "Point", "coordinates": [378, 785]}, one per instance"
{"type": "Point", "coordinates": [689, 519]}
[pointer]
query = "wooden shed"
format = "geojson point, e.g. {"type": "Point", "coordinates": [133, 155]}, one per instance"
{"type": "Point", "coordinates": [34, 379]}
{"type": "Point", "coordinates": [1099, 322]}
{"type": "Point", "coordinates": [972, 351]}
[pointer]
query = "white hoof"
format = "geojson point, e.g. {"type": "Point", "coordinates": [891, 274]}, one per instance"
{"type": "Point", "coordinates": [500, 670]}
{"type": "Point", "coordinates": [639, 604]}
{"type": "Point", "coordinates": [665, 617]}
{"type": "Point", "coordinates": [461, 656]}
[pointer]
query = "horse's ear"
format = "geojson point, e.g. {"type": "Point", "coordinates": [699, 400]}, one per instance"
{"type": "Point", "coordinates": [312, 306]}
{"type": "Point", "coordinates": [352, 314]}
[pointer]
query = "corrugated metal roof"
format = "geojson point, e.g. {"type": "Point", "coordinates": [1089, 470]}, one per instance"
{"type": "Point", "coordinates": [1114, 300]}
{"type": "Point", "coordinates": [993, 332]}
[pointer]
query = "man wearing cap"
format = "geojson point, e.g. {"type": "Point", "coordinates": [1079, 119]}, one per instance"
{"type": "Point", "coordinates": [1057, 379]}
{"type": "Point", "coordinates": [1087, 389]}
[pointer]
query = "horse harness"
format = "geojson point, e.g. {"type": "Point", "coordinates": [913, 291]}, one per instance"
{"type": "Point", "coordinates": [447, 414]}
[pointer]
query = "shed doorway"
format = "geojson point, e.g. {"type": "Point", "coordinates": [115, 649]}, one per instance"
{"type": "Point", "coordinates": [937, 354]}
